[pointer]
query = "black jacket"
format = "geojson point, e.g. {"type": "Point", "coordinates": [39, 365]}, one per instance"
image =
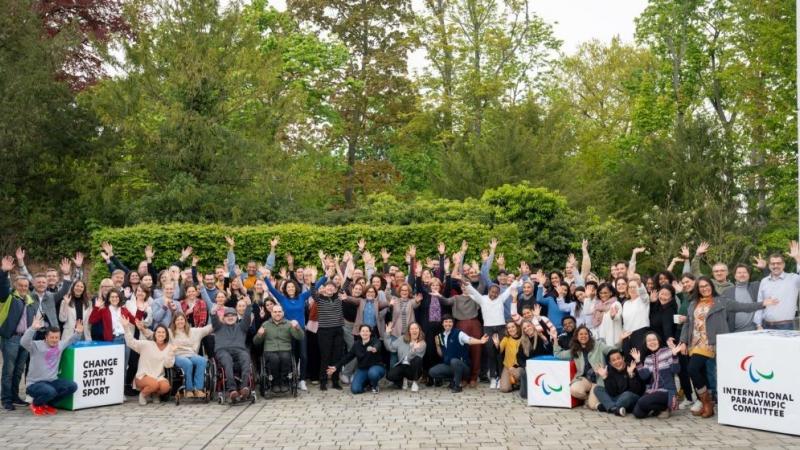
{"type": "Point", "coordinates": [359, 352]}
{"type": "Point", "coordinates": [618, 382]}
{"type": "Point", "coordinates": [662, 320]}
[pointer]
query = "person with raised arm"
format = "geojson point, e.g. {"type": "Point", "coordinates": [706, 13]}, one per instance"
{"type": "Point", "coordinates": [410, 350]}
{"type": "Point", "coordinates": [657, 370]}
{"type": "Point", "coordinates": [451, 345]}
{"type": "Point", "coordinates": [154, 356]}
{"type": "Point", "coordinates": [42, 382]}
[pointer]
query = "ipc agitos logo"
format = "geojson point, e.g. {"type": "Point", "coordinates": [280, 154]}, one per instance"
{"type": "Point", "coordinates": [754, 374]}
{"type": "Point", "coordinates": [546, 388]}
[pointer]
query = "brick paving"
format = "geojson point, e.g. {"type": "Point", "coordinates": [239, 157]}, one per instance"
{"type": "Point", "coordinates": [433, 418]}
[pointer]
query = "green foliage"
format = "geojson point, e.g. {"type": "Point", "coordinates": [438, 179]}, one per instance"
{"type": "Point", "coordinates": [302, 241]}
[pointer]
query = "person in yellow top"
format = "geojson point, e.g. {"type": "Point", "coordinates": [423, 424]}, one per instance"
{"type": "Point", "coordinates": [508, 347]}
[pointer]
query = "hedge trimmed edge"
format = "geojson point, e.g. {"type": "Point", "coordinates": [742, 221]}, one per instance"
{"type": "Point", "coordinates": [301, 240]}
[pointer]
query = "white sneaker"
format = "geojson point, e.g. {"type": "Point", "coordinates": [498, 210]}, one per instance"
{"type": "Point", "coordinates": [414, 387]}
{"type": "Point", "coordinates": [344, 379]}
{"type": "Point", "coordinates": [697, 406]}
{"type": "Point", "coordinates": [142, 399]}
{"type": "Point", "coordinates": [493, 383]}
{"type": "Point", "coordinates": [685, 404]}
{"type": "Point", "coordinates": [404, 384]}
{"type": "Point", "coordinates": [302, 385]}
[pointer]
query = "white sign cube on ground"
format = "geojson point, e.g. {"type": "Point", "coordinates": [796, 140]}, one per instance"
{"type": "Point", "coordinates": [548, 381]}
{"type": "Point", "coordinates": [758, 375]}
{"type": "Point", "coordinates": [98, 369]}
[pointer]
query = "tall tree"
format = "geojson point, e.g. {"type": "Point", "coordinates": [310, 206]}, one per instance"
{"type": "Point", "coordinates": [372, 95]}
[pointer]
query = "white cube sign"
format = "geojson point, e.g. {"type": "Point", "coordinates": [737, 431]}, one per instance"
{"type": "Point", "coordinates": [99, 370]}
{"type": "Point", "coordinates": [548, 381]}
{"type": "Point", "coordinates": [757, 374]}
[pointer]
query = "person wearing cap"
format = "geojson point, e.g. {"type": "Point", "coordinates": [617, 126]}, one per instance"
{"type": "Point", "coordinates": [230, 349]}
{"type": "Point", "coordinates": [496, 309]}
{"type": "Point", "coordinates": [42, 381]}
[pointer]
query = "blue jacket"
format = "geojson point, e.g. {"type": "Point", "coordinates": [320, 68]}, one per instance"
{"type": "Point", "coordinates": [18, 305]}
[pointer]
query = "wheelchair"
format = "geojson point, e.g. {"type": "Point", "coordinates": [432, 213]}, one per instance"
{"type": "Point", "coordinates": [176, 379]}
{"type": "Point", "coordinates": [266, 379]}
{"type": "Point", "coordinates": [218, 386]}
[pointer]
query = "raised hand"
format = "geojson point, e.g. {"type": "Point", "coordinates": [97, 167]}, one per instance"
{"type": "Point", "coordinates": [493, 244]}
{"type": "Point", "coordinates": [484, 255]}
{"type": "Point", "coordinates": [631, 368]}
{"type": "Point", "coordinates": [441, 248]}
{"type": "Point", "coordinates": [418, 297]}
{"type": "Point", "coordinates": [78, 259]}
{"type": "Point", "coordinates": [571, 260]}
{"type": "Point", "coordinates": [794, 250]}
{"type": "Point", "coordinates": [602, 371]}
{"type": "Point", "coordinates": [585, 246]}
{"type": "Point", "coordinates": [186, 252]}
{"type": "Point", "coordinates": [7, 264]}
{"type": "Point", "coordinates": [685, 254]}
{"type": "Point", "coordinates": [636, 355]}
{"type": "Point", "coordinates": [20, 254]}
{"type": "Point", "coordinates": [702, 248]}
{"type": "Point", "coordinates": [37, 323]}
{"type": "Point", "coordinates": [638, 250]}
{"type": "Point", "coordinates": [537, 310]}
{"type": "Point", "coordinates": [289, 259]}
{"type": "Point", "coordinates": [464, 247]}
{"type": "Point", "coordinates": [362, 244]}
{"type": "Point", "coordinates": [412, 251]}
{"type": "Point", "coordinates": [98, 302]}
{"type": "Point", "coordinates": [66, 266]}
{"type": "Point", "coordinates": [273, 243]}
{"type": "Point", "coordinates": [385, 255]}
{"type": "Point", "coordinates": [677, 286]}
{"type": "Point", "coordinates": [230, 241]}
{"type": "Point", "coordinates": [108, 248]}
{"type": "Point", "coordinates": [759, 262]}
{"type": "Point", "coordinates": [149, 253]}
{"type": "Point", "coordinates": [501, 260]}
{"type": "Point", "coordinates": [553, 334]}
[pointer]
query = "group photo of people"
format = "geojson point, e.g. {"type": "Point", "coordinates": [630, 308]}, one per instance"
{"type": "Point", "coordinates": [642, 344]}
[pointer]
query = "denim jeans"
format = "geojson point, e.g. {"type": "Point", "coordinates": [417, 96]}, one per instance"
{"type": "Point", "coordinates": [50, 392]}
{"type": "Point", "coordinates": [14, 357]}
{"type": "Point", "coordinates": [711, 375]}
{"type": "Point", "coordinates": [625, 400]}
{"type": "Point", "coordinates": [194, 371]}
{"type": "Point", "coordinates": [361, 376]}
{"type": "Point", "coordinates": [121, 340]}
{"type": "Point", "coordinates": [779, 326]}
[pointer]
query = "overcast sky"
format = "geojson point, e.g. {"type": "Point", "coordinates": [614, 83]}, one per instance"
{"type": "Point", "coordinates": [574, 21]}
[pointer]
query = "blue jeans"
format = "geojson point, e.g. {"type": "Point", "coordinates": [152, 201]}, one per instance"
{"type": "Point", "coordinates": [50, 392]}
{"type": "Point", "coordinates": [194, 371]}
{"type": "Point", "coordinates": [14, 357]}
{"type": "Point", "coordinates": [711, 375]}
{"type": "Point", "coordinates": [779, 326]}
{"type": "Point", "coordinates": [361, 376]}
{"type": "Point", "coordinates": [625, 400]}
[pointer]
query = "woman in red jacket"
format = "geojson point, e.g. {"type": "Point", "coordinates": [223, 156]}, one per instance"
{"type": "Point", "coordinates": [106, 315]}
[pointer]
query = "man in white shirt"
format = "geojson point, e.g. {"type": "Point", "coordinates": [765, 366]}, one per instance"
{"type": "Point", "coordinates": [781, 286]}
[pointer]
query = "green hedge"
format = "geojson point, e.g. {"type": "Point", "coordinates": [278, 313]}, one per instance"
{"type": "Point", "coordinates": [303, 241]}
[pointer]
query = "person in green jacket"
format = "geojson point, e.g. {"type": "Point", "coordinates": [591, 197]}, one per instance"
{"type": "Point", "coordinates": [276, 336]}
{"type": "Point", "coordinates": [587, 354]}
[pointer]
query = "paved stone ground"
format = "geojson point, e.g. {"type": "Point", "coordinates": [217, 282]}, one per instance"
{"type": "Point", "coordinates": [477, 419]}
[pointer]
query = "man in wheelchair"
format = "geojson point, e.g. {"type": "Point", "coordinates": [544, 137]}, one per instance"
{"type": "Point", "coordinates": [276, 335]}
{"type": "Point", "coordinates": [231, 351]}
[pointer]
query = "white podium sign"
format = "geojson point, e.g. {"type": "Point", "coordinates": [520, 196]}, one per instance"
{"type": "Point", "coordinates": [98, 370]}
{"type": "Point", "coordinates": [548, 381]}
{"type": "Point", "coordinates": [757, 380]}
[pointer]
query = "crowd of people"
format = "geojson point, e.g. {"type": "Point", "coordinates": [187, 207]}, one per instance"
{"type": "Point", "coordinates": [641, 344]}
